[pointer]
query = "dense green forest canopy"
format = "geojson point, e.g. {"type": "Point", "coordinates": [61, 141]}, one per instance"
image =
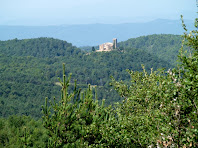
{"type": "Point", "coordinates": [164, 46]}
{"type": "Point", "coordinates": [158, 108]}
{"type": "Point", "coordinates": [29, 69]}
{"type": "Point", "coordinates": [38, 47]}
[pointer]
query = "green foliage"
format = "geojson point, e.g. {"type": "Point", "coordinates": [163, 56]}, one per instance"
{"type": "Point", "coordinates": [39, 47]}
{"type": "Point", "coordinates": [164, 46]}
{"type": "Point", "coordinates": [160, 108]}
{"type": "Point", "coordinates": [76, 119]}
{"type": "Point", "coordinates": [29, 69]}
{"type": "Point", "coordinates": [93, 49]}
{"type": "Point", "coordinates": [23, 85]}
{"type": "Point", "coordinates": [22, 131]}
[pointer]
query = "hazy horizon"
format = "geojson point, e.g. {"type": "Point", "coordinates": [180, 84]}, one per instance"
{"type": "Point", "coordinates": [65, 12]}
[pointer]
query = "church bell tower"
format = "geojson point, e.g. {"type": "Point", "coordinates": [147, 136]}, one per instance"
{"type": "Point", "coordinates": [114, 43]}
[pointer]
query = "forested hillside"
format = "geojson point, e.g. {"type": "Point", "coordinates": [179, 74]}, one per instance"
{"type": "Point", "coordinates": [164, 46]}
{"type": "Point", "coordinates": [29, 70]}
{"type": "Point", "coordinates": [157, 108]}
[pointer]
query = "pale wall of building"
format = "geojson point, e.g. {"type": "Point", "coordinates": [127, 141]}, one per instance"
{"type": "Point", "coordinates": [108, 46]}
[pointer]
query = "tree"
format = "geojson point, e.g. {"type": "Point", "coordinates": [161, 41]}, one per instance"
{"type": "Point", "coordinates": [160, 108]}
{"type": "Point", "coordinates": [76, 119]}
{"type": "Point", "coordinates": [93, 49]}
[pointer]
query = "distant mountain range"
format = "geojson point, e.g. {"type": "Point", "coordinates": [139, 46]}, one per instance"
{"type": "Point", "coordinates": [95, 34]}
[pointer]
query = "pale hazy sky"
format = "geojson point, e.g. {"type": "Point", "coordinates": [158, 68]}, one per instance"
{"type": "Point", "coordinates": [58, 12]}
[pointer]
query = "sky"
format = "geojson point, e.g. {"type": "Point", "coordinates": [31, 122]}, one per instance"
{"type": "Point", "coordinates": [61, 12]}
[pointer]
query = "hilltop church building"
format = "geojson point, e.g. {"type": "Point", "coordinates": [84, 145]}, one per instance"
{"type": "Point", "coordinates": [108, 46]}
